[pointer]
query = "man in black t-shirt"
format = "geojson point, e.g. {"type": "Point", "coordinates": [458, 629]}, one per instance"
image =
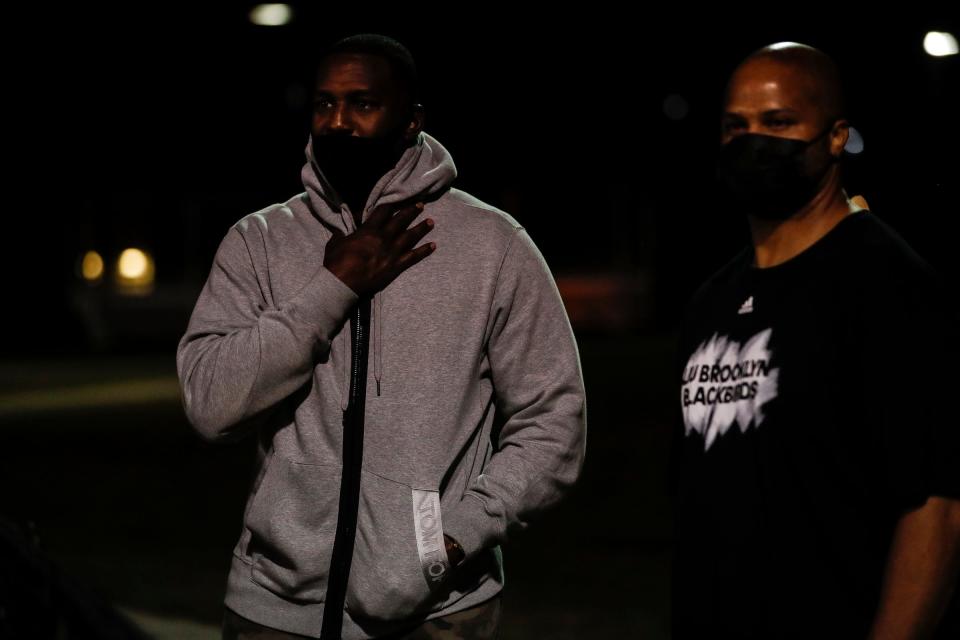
{"type": "Point", "coordinates": [818, 461]}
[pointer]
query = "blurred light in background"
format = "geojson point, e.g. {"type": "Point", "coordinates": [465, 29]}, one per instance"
{"type": "Point", "coordinates": [91, 267]}
{"type": "Point", "coordinates": [675, 107]}
{"type": "Point", "coordinates": [940, 43]}
{"type": "Point", "coordinates": [271, 15]}
{"type": "Point", "coordinates": [135, 271]}
{"type": "Point", "coordinates": [132, 264]}
{"type": "Point", "coordinates": [854, 142]}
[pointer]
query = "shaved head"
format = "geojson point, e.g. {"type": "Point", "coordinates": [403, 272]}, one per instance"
{"type": "Point", "coordinates": [808, 74]}
{"type": "Point", "coordinates": [788, 90]}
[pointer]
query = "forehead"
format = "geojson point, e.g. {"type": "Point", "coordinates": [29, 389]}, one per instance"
{"type": "Point", "coordinates": [765, 85]}
{"type": "Point", "coordinates": [343, 72]}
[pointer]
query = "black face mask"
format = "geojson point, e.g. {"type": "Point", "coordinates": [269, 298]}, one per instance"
{"type": "Point", "coordinates": [353, 164]}
{"type": "Point", "coordinates": [767, 176]}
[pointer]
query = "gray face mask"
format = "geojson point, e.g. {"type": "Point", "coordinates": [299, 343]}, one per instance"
{"type": "Point", "coordinates": [767, 176]}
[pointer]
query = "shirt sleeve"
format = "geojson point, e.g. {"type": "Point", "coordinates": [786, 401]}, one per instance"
{"type": "Point", "coordinates": [910, 380]}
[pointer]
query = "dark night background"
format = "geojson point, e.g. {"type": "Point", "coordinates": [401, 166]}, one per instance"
{"type": "Point", "coordinates": [159, 128]}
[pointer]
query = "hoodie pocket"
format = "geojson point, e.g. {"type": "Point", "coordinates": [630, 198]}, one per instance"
{"type": "Point", "coordinates": [292, 523]}
{"type": "Point", "coordinates": [399, 565]}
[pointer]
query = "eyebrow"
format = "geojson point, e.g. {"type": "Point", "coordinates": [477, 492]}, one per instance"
{"type": "Point", "coordinates": [786, 111]}
{"type": "Point", "coordinates": [769, 112]}
{"type": "Point", "coordinates": [360, 93]}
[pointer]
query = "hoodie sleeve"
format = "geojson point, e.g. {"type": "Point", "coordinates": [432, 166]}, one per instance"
{"type": "Point", "coordinates": [539, 392]}
{"type": "Point", "coordinates": [241, 356]}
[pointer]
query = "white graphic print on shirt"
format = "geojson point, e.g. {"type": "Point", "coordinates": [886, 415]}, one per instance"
{"type": "Point", "coordinates": [725, 383]}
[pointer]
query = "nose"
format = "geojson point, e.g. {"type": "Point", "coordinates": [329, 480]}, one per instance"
{"type": "Point", "coordinates": [751, 125]}
{"type": "Point", "coordinates": [340, 120]}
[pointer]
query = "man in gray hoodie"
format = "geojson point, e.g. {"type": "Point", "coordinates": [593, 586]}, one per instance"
{"type": "Point", "coordinates": [380, 500]}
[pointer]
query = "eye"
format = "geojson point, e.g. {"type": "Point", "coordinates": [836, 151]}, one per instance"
{"type": "Point", "coordinates": [322, 104]}
{"type": "Point", "coordinates": [732, 125]}
{"type": "Point", "coordinates": [780, 121]}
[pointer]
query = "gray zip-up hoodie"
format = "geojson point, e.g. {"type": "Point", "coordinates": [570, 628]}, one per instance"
{"type": "Point", "coordinates": [475, 417]}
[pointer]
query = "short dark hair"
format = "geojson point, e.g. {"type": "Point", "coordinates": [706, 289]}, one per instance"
{"type": "Point", "coordinates": [399, 57]}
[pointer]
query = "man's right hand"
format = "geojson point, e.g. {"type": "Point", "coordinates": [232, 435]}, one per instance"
{"type": "Point", "coordinates": [380, 249]}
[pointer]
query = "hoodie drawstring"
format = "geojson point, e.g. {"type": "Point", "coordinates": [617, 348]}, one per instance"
{"type": "Point", "coordinates": [377, 323]}
{"type": "Point", "coordinates": [344, 359]}
{"type": "Point", "coordinates": [376, 330]}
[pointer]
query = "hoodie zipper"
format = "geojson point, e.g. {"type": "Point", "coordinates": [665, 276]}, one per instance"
{"type": "Point", "coordinates": [343, 541]}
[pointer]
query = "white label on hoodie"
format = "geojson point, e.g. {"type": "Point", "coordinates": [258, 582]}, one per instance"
{"type": "Point", "coordinates": [429, 529]}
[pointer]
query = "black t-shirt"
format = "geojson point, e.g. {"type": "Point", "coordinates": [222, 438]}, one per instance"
{"type": "Point", "coordinates": [817, 405]}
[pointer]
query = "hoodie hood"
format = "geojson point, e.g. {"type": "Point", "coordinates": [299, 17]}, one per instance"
{"type": "Point", "coordinates": [425, 168]}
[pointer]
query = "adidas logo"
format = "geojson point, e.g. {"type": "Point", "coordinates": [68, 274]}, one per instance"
{"type": "Point", "coordinates": [747, 306]}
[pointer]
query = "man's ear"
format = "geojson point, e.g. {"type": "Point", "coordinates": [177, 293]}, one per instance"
{"type": "Point", "coordinates": [838, 137]}
{"type": "Point", "coordinates": [415, 123]}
